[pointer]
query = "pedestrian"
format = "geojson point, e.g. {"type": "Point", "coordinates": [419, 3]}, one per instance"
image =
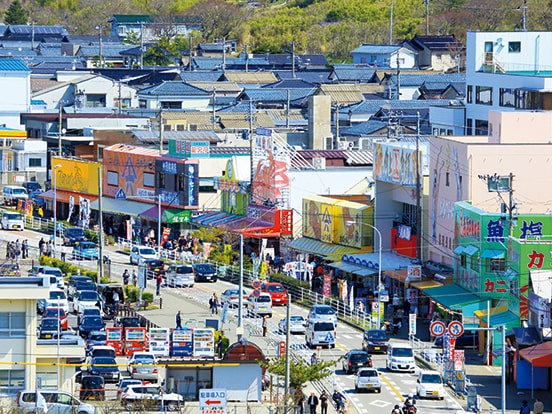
{"type": "Point", "coordinates": [178, 320]}
{"type": "Point", "coordinates": [134, 278]}
{"type": "Point", "coordinates": [524, 409]}
{"type": "Point", "coordinates": [323, 402]}
{"type": "Point", "coordinates": [218, 347]}
{"type": "Point", "coordinates": [116, 302]}
{"type": "Point", "coordinates": [300, 403]}
{"type": "Point", "coordinates": [314, 359]}
{"type": "Point", "coordinates": [126, 277]}
{"type": "Point", "coordinates": [213, 304]}
{"type": "Point", "coordinates": [265, 324]}
{"type": "Point", "coordinates": [17, 250]}
{"type": "Point", "coordinates": [158, 281]}
{"type": "Point", "coordinates": [25, 249]}
{"type": "Point", "coordinates": [312, 401]}
{"type": "Point", "coordinates": [538, 407]}
{"type": "Point", "coordinates": [49, 249]}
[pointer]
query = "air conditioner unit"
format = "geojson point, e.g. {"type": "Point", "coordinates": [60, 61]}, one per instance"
{"type": "Point", "coordinates": [343, 145]}
{"type": "Point", "coordinates": [319, 163]}
{"type": "Point", "coordinates": [364, 144]}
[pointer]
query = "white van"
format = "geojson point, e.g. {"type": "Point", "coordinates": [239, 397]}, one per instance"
{"type": "Point", "coordinates": [13, 193]}
{"type": "Point", "coordinates": [12, 220]}
{"type": "Point", "coordinates": [400, 357]}
{"type": "Point", "coordinates": [320, 333]}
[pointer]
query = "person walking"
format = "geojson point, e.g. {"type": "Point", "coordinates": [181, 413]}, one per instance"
{"type": "Point", "coordinates": [126, 277]}
{"type": "Point", "coordinates": [312, 401]}
{"type": "Point", "coordinates": [25, 249]}
{"type": "Point", "coordinates": [116, 302]}
{"type": "Point", "coordinates": [314, 359]}
{"type": "Point", "coordinates": [524, 409]}
{"type": "Point", "coordinates": [178, 320]}
{"type": "Point", "coordinates": [213, 304]}
{"type": "Point", "coordinates": [265, 324]}
{"type": "Point", "coordinates": [300, 403]}
{"type": "Point", "coordinates": [323, 402]}
{"type": "Point", "coordinates": [134, 278]}
{"type": "Point", "coordinates": [538, 407]}
{"type": "Point", "coordinates": [158, 281]}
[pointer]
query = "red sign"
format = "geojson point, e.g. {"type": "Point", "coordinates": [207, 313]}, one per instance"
{"type": "Point", "coordinates": [282, 348]}
{"type": "Point", "coordinates": [437, 328]}
{"type": "Point", "coordinates": [455, 328]}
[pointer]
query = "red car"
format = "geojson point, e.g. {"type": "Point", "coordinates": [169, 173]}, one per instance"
{"type": "Point", "coordinates": [57, 313]}
{"type": "Point", "coordinates": [277, 292]}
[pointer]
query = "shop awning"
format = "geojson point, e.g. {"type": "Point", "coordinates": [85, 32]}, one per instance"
{"type": "Point", "coordinates": [62, 196]}
{"type": "Point", "coordinates": [346, 267]}
{"type": "Point", "coordinates": [248, 226]}
{"type": "Point", "coordinates": [470, 250]}
{"type": "Point", "coordinates": [526, 336]}
{"type": "Point", "coordinates": [425, 284]}
{"type": "Point", "coordinates": [452, 296]}
{"type": "Point", "coordinates": [169, 215]}
{"type": "Point", "coordinates": [459, 250]}
{"type": "Point", "coordinates": [319, 248]}
{"type": "Point", "coordinates": [502, 318]}
{"type": "Point", "coordinates": [127, 207]}
{"type": "Point", "coordinates": [493, 254]}
{"type": "Point", "coordinates": [538, 355]}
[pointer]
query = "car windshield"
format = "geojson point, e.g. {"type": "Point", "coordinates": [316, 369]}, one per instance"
{"type": "Point", "coordinates": [13, 216]}
{"type": "Point", "coordinates": [75, 232]}
{"type": "Point", "coordinates": [403, 352]}
{"type": "Point", "coordinates": [50, 323]}
{"type": "Point", "coordinates": [87, 245]}
{"type": "Point", "coordinates": [89, 295]}
{"type": "Point", "coordinates": [205, 268]}
{"type": "Point", "coordinates": [367, 373]}
{"type": "Point", "coordinates": [324, 326]}
{"type": "Point", "coordinates": [19, 191]}
{"type": "Point", "coordinates": [144, 359]}
{"type": "Point", "coordinates": [296, 319]}
{"type": "Point", "coordinates": [146, 250]}
{"type": "Point", "coordinates": [377, 335]}
{"type": "Point", "coordinates": [93, 382]}
{"type": "Point", "coordinates": [275, 288]}
{"type": "Point", "coordinates": [54, 313]}
{"type": "Point", "coordinates": [264, 299]}
{"type": "Point", "coordinates": [57, 294]}
{"type": "Point", "coordinates": [359, 357]}
{"type": "Point", "coordinates": [92, 320]}
{"type": "Point", "coordinates": [97, 337]}
{"type": "Point", "coordinates": [324, 310]}
{"type": "Point", "coordinates": [182, 270]}
{"type": "Point", "coordinates": [431, 379]}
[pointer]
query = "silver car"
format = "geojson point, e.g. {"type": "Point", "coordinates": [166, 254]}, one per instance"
{"type": "Point", "coordinates": [143, 366]}
{"type": "Point", "coordinates": [297, 324]}
{"type": "Point", "coordinates": [180, 275]}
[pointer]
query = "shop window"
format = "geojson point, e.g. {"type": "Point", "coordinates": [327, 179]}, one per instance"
{"type": "Point", "coordinates": [35, 162]}
{"type": "Point", "coordinates": [475, 262]}
{"type": "Point", "coordinates": [495, 265]}
{"type": "Point", "coordinates": [161, 181]}
{"type": "Point", "coordinates": [12, 381]}
{"type": "Point", "coordinates": [447, 179]}
{"type": "Point", "coordinates": [149, 180]}
{"type": "Point", "coordinates": [469, 98]}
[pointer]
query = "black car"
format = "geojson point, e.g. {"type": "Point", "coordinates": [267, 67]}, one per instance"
{"type": "Point", "coordinates": [106, 367]}
{"type": "Point", "coordinates": [129, 322]}
{"type": "Point", "coordinates": [77, 283]}
{"type": "Point", "coordinates": [154, 267]}
{"type": "Point", "coordinates": [89, 324]}
{"type": "Point", "coordinates": [73, 235]}
{"type": "Point", "coordinates": [49, 327]}
{"type": "Point", "coordinates": [375, 340]}
{"type": "Point", "coordinates": [32, 186]}
{"type": "Point", "coordinates": [355, 359]}
{"type": "Point", "coordinates": [204, 271]}
{"type": "Point", "coordinates": [92, 388]}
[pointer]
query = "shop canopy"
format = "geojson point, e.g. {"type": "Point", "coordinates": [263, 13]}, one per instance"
{"type": "Point", "coordinates": [248, 226]}
{"type": "Point", "coordinates": [452, 296]}
{"type": "Point", "coordinates": [319, 248]}
{"type": "Point", "coordinates": [348, 267]}
{"type": "Point", "coordinates": [538, 355]}
{"type": "Point", "coordinates": [63, 196]}
{"type": "Point", "coordinates": [125, 207]}
{"type": "Point", "coordinates": [168, 215]}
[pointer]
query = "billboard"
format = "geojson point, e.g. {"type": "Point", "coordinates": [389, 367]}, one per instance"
{"type": "Point", "coordinates": [396, 164]}
{"type": "Point", "coordinates": [350, 224]}
{"type": "Point", "coordinates": [189, 149]}
{"type": "Point", "coordinates": [318, 218]}
{"type": "Point", "coordinates": [76, 175]}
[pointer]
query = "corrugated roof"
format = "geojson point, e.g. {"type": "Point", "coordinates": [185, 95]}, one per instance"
{"type": "Point", "coordinates": [13, 65]}
{"type": "Point", "coordinates": [173, 88]}
{"type": "Point", "coordinates": [219, 87]}
{"type": "Point", "coordinates": [133, 18]}
{"type": "Point", "coordinates": [236, 120]}
{"type": "Point", "coordinates": [345, 93]}
{"type": "Point", "coordinates": [251, 77]}
{"type": "Point", "coordinates": [153, 136]}
{"type": "Point", "coordinates": [132, 149]}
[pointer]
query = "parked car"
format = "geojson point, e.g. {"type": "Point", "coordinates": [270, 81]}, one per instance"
{"type": "Point", "coordinates": [48, 327]}
{"type": "Point", "coordinates": [206, 272]}
{"type": "Point", "coordinates": [106, 367]}
{"type": "Point", "coordinates": [154, 267]}
{"type": "Point", "coordinates": [57, 402]}
{"type": "Point", "coordinates": [10, 269]}
{"type": "Point", "coordinates": [367, 379]}
{"type": "Point", "coordinates": [56, 298]}
{"type": "Point", "coordinates": [85, 250]}
{"type": "Point", "coordinates": [180, 275]}
{"type": "Point", "coordinates": [96, 338]}
{"type": "Point", "coordinates": [322, 313]}
{"type": "Point", "coordinates": [89, 324]}
{"type": "Point", "coordinates": [94, 311]}
{"type": "Point", "coordinates": [150, 397]}
{"type": "Point", "coordinates": [297, 325]}
{"type": "Point", "coordinates": [92, 387]}
{"type": "Point", "coordinates": [55, 312]}
{"type": "Point", "coordinates": [73, 235]}
{"type": "Point", "coordinates": [32, 186]}
{"type": "Point", "coordinates": [12, 221]}
{"type": "Point", "coordinates": [354, 360]}
{"type": "Point", "coordinates": [86, 299]}
{"type": "Point", "coordinates": [430, 385]}
{"type": "Point", "coordinates": [231, 296]}
{"type": "Point", "coordinates": [277, 292]}
{"type": "Point", "coordinates": [375, 340]}
{"type": "Point", "coordinates": [106, 292]}
{"type": "Point", "coordinates": [12, 194]}
{"type": "Point", "coordinates": [123, 385]}
{"type": "Point", "coordinates": [143, 366]}
{"type": "Point", "coordinates": [77, 283]}
{"type": "Point", "coordinates": [39, 270]}
{"type": "Point", "coordinates": [140, 253]}
{"type": "Point", "coordinates": [260, 305]}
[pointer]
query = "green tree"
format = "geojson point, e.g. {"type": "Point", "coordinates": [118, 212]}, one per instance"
{"type": "Point", "coordinates": [16, 14]}
{"type": "Point", "coordinates": [300, 372]}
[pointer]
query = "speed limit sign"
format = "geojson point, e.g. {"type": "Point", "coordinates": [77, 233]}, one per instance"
{"type": "Point", "coordinates": [437, 328]}
{"type": "Point", "coordinates": [456, 328]}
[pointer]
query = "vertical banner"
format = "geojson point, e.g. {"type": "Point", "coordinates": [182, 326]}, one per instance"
{"type": "Point", "coordinates": [327, 288]}
{"type": "Point", "coordinates": [71, 207]}
{"type": "Point", "coordinates": [129, 230]}
{"type": "Point", "coordinates": [411, 324]}
{"type": "Point", "coordinates": [165, 236]}
{"type": "Point", "coordinates": [206, 250]}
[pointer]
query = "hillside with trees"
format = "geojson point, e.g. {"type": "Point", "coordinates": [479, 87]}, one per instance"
{"type": "Point", "coordinates": [331, 27]}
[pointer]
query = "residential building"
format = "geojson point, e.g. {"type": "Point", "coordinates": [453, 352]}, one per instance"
{"type": "Point", "coordinates": [438, 53]}
{"type": "Point", "coordinates": [384, 56]}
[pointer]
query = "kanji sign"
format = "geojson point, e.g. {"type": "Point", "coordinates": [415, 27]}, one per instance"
{"type": "Point", "coordinates": [214, 398]}
{"type": "Point", "coordinates": [455, 328]}
{"type": "Point", "coordinates": [437, 328]}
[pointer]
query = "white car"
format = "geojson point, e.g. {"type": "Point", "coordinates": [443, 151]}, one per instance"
{"type": "Point", "coordinates": [322, 313]}
{"type": "Point", "coordinates": [150, 395]}
{"type": "Point", "coordinates": [57, 298]}
{"type": "Point", "coordinates": [86, 299]}
{"type": "Point", "coordinates": [143, 366]}
{"type": "Point", "coordinates": [430, 385]}
{"type": "Point", "coordinates": [141, 253]}
{"type": "Point", "coordinates": [180, 275]}
{"type": "Point", "coordinates": [297, 324]}
{"type": "Point", "coordinates": [260, 305]}
{"type": "Point", "coordinates": [367, 379]}
{"type": "Point", "coordinates": [232, 297]}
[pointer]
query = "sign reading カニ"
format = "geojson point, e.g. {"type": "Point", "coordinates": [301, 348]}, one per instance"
{"type": "Point", "coordinates": [76, 175]}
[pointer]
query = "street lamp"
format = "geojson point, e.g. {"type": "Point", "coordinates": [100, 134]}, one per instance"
{"type": "Point", "coordinates": [55, 207]}
{"type": "Point", "coordinates": [378, 324]}
{"type": "Point", "coordinates": [100, 28]}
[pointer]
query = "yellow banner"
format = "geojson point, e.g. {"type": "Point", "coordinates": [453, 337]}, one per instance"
{"type": "Point", "coordinates": [75, 175]}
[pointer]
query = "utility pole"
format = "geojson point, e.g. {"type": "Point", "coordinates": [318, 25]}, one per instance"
{"type": "Point", "coordinates": [60, 127]}
{"type": "Point", "coordinates": [501, 184]}
{"type": "Point", "coordinates": [141, 45]}
{"type": "Point", "coordinates": [398, 77]}
{"type": "Point", "coordinates": [214, 108]}
{"type": "Point", "coordinates": [100, 223]}
{"type": "Point", "coordinates": [524, 15]}
{"type": "Point", "coordinates": [391, 24]}
{"type": "Point", "coordinates": [419, 232]}
{"type": "Point", "coordinates": [246, 60]}
{"type": "Point", "coordinates": [160, 131]}
{"type": "Point", "coordinates": [293, 60]}
{"type": "Point", "coordinates": [251, 140]}
{"type": "Point", "coordinates": [191, 54]}
{"type": "Point", "coordinates": [427, 16]}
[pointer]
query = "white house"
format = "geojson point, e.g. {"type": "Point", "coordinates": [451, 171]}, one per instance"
{"type": "Point", "coordinates": [15, 83]}
{"type": "Point", "coordinates": [384, 56]}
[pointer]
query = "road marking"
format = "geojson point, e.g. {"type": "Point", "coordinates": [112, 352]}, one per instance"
{"type": "Point", "coordinates": [392, 386]}
{"type": "Point", "coordinates": [380, 403]}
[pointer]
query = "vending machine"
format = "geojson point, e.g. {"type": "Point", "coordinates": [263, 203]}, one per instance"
{"type": "Point", "coordinates": [204, 342]}
{"type": "Point", "coordinates": [182, 342]}
{"type": "Point", "coordinates": [136, 340]}
{"type": "Point", "coordinates": [159, 341]}
{"type": "Point", "coordinates": [114, 338]}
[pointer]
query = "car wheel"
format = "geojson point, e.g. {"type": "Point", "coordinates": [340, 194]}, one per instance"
{"type": "Point", "coordinates": [171, 406]}
{"type": "Point", "coordinates": [356, 388]}
{"type": "Point", "coordinates": [379, 390]}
